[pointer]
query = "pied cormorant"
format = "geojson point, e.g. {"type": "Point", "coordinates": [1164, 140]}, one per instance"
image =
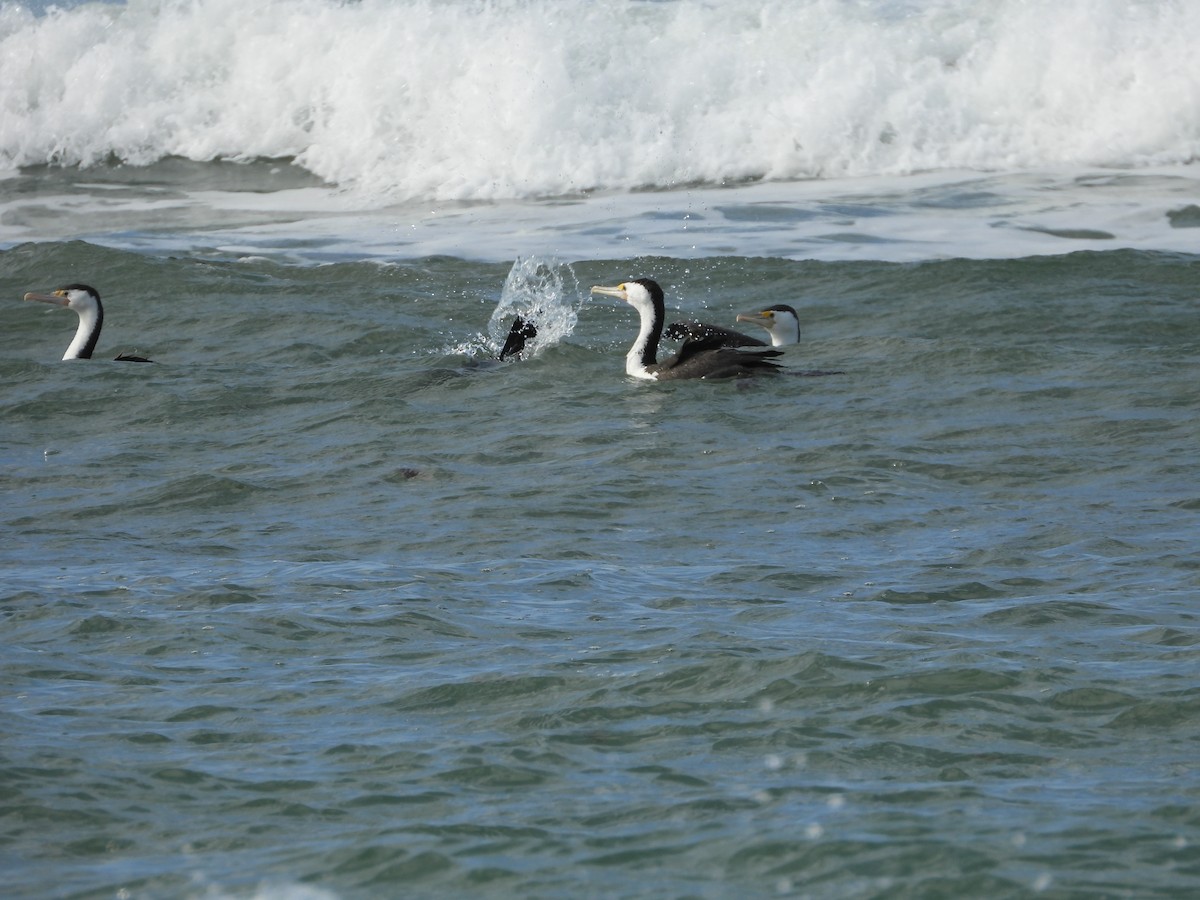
{"type": "Point", "coordinates": [704, 358]}
{"type": "Point", "coordinates": [85, 300]}
{"type": "Point", "coordinates": [780, 321]}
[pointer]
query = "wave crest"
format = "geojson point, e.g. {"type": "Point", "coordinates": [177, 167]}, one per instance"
{"type": "Point", "coordinates": [524, 98]}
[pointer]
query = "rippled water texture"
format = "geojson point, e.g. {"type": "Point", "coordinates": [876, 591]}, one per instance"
{"type": "Point", "coordinates": [328, 603]}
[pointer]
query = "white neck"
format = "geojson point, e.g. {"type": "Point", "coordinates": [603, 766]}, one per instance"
{"type": "Point", "coordinates": [786, 337]}
{"type": "Point", "coordinates": [633, 359]}
{"type": "Point", "coordinates": [88, 321]}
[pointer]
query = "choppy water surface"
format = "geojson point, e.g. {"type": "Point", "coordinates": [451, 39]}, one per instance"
{"type": "Point", "coordinates": [327, 601]}
{"type": "Point", "coordinates": [328, 604]}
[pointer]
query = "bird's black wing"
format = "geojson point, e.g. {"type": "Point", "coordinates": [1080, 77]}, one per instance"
{"type": "Point", "coordinates": [733, 363]}
{"type": "Point", "coordinates": [702, 331]}
{"type": "Point", "coordinates": [692, 348]}
{"type": "Point", "coordinates": [521, 331]}
{"type": "Point", "coordinates": [709, 358]}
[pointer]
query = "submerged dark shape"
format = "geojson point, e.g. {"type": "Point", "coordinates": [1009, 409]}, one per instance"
{"type": "Point", "coordinates": [703, 358]}
{"type": "Point", "coordinates": [521, 331]}
{"type": "Point", "coordinates": [85, 301]}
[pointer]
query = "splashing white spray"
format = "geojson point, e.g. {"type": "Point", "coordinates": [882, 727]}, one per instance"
{"type": "Point", "coordinates": [542, 291]}
{"type": "Point", "coordinates": [465, 99]}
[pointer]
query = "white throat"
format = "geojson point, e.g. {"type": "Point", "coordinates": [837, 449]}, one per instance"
{"type": "Point", "coordinates": [633, 359]}
{"type": "Point", "coordinates": [87, 324]}
{"type": "Point", "coordinates": [785, 334]}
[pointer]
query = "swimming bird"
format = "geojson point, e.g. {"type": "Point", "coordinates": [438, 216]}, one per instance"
{"type": "Point", "coordinates": [85, 300]}
{"type": "Point", "coordinates": [704, 358]}
{"type": "Point", "coordinates": [781, 322]}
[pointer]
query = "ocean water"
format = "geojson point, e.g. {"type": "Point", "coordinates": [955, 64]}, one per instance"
{"type": "Point", "coordinates": [329, 604]}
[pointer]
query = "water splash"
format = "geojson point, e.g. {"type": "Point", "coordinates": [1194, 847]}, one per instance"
{"type": "Point", "coordinates": [543, 292]}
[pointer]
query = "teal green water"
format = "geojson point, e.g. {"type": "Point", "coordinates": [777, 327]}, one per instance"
{"type": "Point", "coordinates": [326, 603]}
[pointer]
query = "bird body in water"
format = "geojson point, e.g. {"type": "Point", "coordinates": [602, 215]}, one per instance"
{"type": "Point", "coordinates": [704, 358]}
{"type": "Point", "coordinates": [780, 321]}
{"type": "Point", "coordinates": [85, 301]}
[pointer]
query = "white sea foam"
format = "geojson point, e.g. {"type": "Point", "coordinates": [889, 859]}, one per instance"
{"type": "Point", "coordinates": [898, 218]}
{"type": "Point", "coordinates": [408, 99]}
